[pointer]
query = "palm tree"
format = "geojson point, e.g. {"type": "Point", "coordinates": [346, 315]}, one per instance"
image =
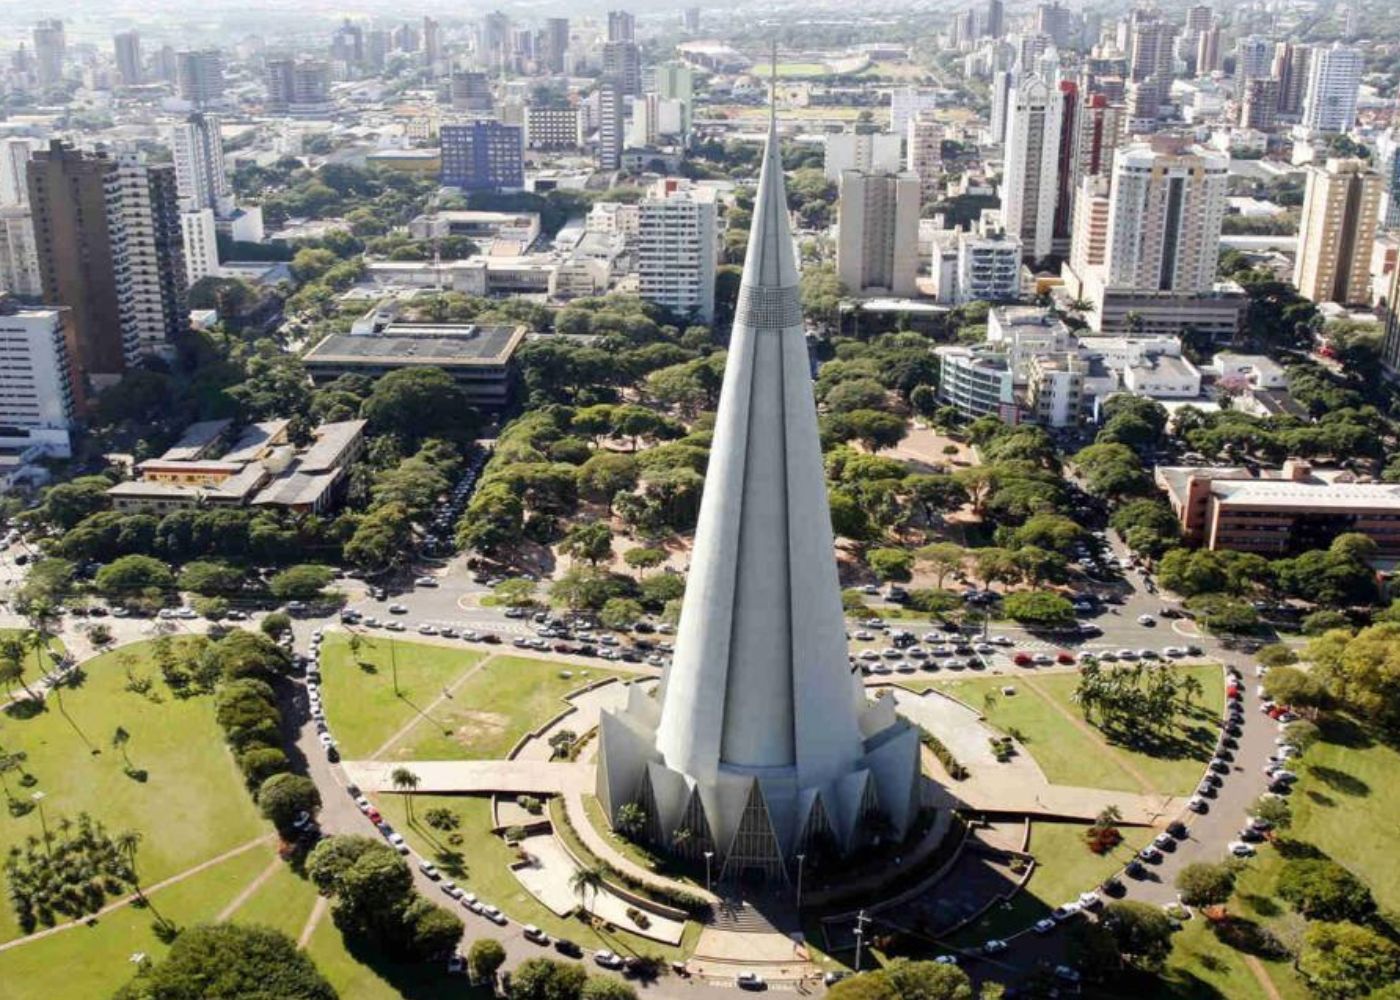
{"type": "Point", "coordinates": [586, 882]}
{"type": "Point", "coordinates": [407, 782]}
{"type": "Point", "coordinates": [120, 738]}
{"type": "Point", "coordinates": [1191, 689]}
{"type": "Point", "coordinates": [631, 819]}
{"type": "Point", "coordinates": [12, 649]}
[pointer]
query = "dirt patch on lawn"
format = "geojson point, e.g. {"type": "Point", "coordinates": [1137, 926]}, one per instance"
{"type": "Point", "coordinates": [473, 726]}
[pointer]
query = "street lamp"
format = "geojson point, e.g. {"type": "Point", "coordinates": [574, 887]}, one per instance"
{"type": "Point", "coordinates": [800, 858]}
{"type": "Point", "coordinates": [861, 921]}
{"type": "Point", "coordinates": [708, 856]}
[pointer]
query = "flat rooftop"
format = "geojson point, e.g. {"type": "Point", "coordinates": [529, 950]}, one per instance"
{"type": "Point", "coordinates": [421, 344]}
{"type": "Point", "coordinates": [196, 438]}
{"type": "Point", "coordinates": [1315, 494]}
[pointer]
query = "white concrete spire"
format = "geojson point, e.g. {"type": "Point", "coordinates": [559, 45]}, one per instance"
{"type": "Point", "coordinates": [762, 720]}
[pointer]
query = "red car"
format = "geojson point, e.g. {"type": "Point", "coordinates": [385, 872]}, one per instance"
{"type": "Point", "coordinates": [1022, 659]}
{"type": "Point", "coordinates": [1232, 692]}
{"type": "Point", "coordinates": [374, 816]}
{"type": "Point", "coordinates": [1064, 658]}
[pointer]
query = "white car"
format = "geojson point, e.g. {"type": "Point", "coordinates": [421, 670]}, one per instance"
{"type": "Point", "coordinates": [425, 581]}
{"type": "Point", "coordinates": [1044, 926]}
{"type": "Point", "coordinates": [397, 842]}
{"type": "Point", "coordinates": [607, 959]}
{"type": "Point", "coordinates": [1146, 620]}
{"type": "Point", "coordinates": [1240, 849]}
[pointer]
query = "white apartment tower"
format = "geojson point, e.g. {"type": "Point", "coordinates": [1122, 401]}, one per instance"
{"type": "Point", "coordinates": [1092, 212]}
{"type": "Point", "coordinates": [677, 246]}
{"type": "Point", "coordinates": [37, 402]}
{"type": "Point", "coordinates": [877, 241]}
{"type": "Point", "coordinates": [1168, 204]}
{"type": "Point", "coordinates": [15, 154]}
{"type": "Point", "coordinates": [1029, 177]}
{"type": "Point", "coordinates": [923, 144]}
{"type": "Point", "coordinates": [906, 103]}
{"type": "Point", "coordinates": [1334, 80]}
{"type": "Point", "coordinates": [868, 152]}
{"type": "Point", "coordinates": [19, 257]}
{"type": "Point", "coordinates": [200, 234]}
{"type": "Point", "coordinates": [1341, 207]}
{"type": "Point", "coordinates": [200, 173]}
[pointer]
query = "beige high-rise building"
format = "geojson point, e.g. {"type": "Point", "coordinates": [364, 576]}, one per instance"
{"type": "Point", "coordinates": [877, 245]}
{"type": "Point", "coordinates": [1340, 210]}
{"type": "Point", "coordinates": [924, 154]}
{"type": "Point", "coordinates": [1089, 246]}
{"type": "Point", "coordinates": [1168, 205]}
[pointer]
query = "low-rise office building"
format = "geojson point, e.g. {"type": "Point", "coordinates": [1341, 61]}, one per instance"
{"type": "Point", "coordinates": [478, 357]}
{"type": "Point", "coordinates": [1277, 513]}
{"type": "Point", "coordinates": [977, 382]}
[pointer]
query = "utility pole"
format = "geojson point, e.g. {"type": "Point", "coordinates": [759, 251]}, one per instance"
{"type": "Point", "coordinates": [800, 858]}
{"type": "Point", "coordinates": [861, 921]}
{"type": "Point", "coordinates": [708, 856]}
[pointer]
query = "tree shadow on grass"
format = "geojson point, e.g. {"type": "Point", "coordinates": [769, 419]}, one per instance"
{"type": "Point", "coordinates": [1263, 906]}
{"type": "Point", "coordinates": [1248, 936]}
{"type": "Point", "coordinates": [1321, 798]}
{"type": "Point", "coordinates": [411, 980]}
{"type": "Point", "coordinates": [1345, 732]}
{"type": "Point", "coordinates": [1340, 781]}
{"type": "Point", "coordinates": [25, 709]}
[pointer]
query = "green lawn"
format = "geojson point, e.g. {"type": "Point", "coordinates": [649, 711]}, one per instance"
{"type": "Point", "coordinates": [283, 902]}
{"type": "Point", "coordinates": [36, 664]}
{"type": "Point", "coordinates": [487, 715]}
{"type": "Point", "coordinates": [1065, 867]}
{"type": "Point", "coordinates": [362, 705]}
{"type": "Point", "coordinates": [94, 961]}
{"type": "Point", "coordinates": [482, 863]}
{"type": "Point", "coordinates": [802, 69]}
{"type": "Point", "coordinates": [192, 805]}
{"type": "Point", "coordinates": [367, 978]}
{"type": "Point", "coordinates": [1070, 756]}
{"type": "Point", "coordinates": [1345, 804]}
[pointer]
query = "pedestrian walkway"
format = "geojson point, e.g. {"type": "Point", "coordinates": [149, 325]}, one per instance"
{"type": "Point", "coordinates": [474, 777]}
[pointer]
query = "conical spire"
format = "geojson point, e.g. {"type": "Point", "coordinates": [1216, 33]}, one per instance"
{"type": "Point", "coordinates": [761, 676]}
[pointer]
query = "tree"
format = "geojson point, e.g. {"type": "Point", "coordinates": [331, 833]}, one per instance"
{"type": "Point", "coordinates": [644, 558]}
{"type": "Point", "coordinates": [1341, 960]}
{"type": "Point", "coordinates": [515, 592]}
{"type": "Point", "coordinates": [1039, 608]}
{"type": "Point", "coordinates": [1111, 470]}
{"type": "Point", "coordinates": [415, 404]}
{"type": "Point", "coordinates": [243, 654]}
{"type": "Point", "coordinates": [546, 979]}
{"type": "Point", "coordinates": [875, 430]}
{"type": "Point", "coordinates": [903, 979]}
{"type": "Point", "coordinates": [211, 578]}
{"type": "Point", "coordinates": [1204, 884]}
{"type": "Point", "coordinates": [607, 988]}
{"type": "Point", "coordinates": [303, 582]}
{"type": "Point", "coordinates": [943, 557]}
{"type": "Point", "coordinates": [631, 820]}
{"type": "Point", "coordinates": [283, 798]}
{"type": "Point", "coordinates": [277, 624]}
{"type": "Point", "coordinates": [1141, 932]}
{"type": "Point", "coordinates": [233, 962]}
{"type": "Point", "coordinates": [1320, 889]}
{"type": "Point", "coordinates": [591, 541]}
{"type": "Point", "coordinates": [1294, 687]}
{"type": "Point", "coordinates": [134, 575]}
{"type": "Point", "coordinates": [485, 956]}
{"type": "Point", "coordinates": [407, 782]}
{"type": "Point", "coordinates": [620, 613]}
{"type": "Point", "coordinates": [891, 564]}
{"type": "Point", "coordinates": [587, 880]}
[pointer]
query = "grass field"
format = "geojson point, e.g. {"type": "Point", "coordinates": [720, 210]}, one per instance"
{"type": "Point", "coordinates": [363, 706]}
{"type": "Point", "coordinates": [802, 69]}
{"type": "Point", "coordinates": [1065, 867]}
{"type": "Point", "coordinates": [492, 709]}
{"type": "Point", "coordinates": [482, 862]}
{"type": "Point", "coordinates": [192, 805]}
{"type": "Point", "coordinates": [1043, 712]}
{"type": "Point", "coordinates": [94, 961]}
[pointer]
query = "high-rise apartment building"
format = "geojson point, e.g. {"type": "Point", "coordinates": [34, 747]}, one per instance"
{"type": "Point", "coordinates": [19, 257]}
{"type": "Point", "coordinates": [1055, 22]}
{"type": "Point", "coordinates": [906, 102]}
{"type": "Point", "coordinates": [923, 143]}
{"type": "Point", "coordinates": [553, 128]}
{"type": "Point", "coordinates": [988, 268]}
{"type": "Point", "coordinates": [868, 152]}
{"type": "Point", "coordinates": [1334, 81]}
{"type": "Point", "coordinates": [109, 242]}
{"type": "Point", "coordinates": [1093, 208]}
{"type": "Point", "coordinates": [677, 248]}
{"type": "Point", "coordinates": [622, 26]}
{"type": "Point", "coordinates": [1003, 88]}
{"type": "Point", "coordinates": [610, 140]}
{"type": "Point", "coordinates": [877, 243]}
{"type": "Point", "coordinates": [199, 232]}
{"type": "Point", "coordinates": [1030, 175]}
{"type": "Point", "coordinates": [992, 19]}
{"type": "Point", "coordinates": [1099, 129]}
{"type": "Point", "coordinates": [471, 91]}
{"type": "Point", "coordinates": [38, 397]}
{"type": "Point", "coordinates": [1341, 207]}
{"type": "Point", "coordinates": [1168, 205]}
{"type": "Point", "coordinates": [50, 51]}
{"type": "Point", "coordinates": [126, 48]}
{"type": "Point", "coordinates": [675, 81]}
{"type": "Point", "coordinates": [483, 156]}
{"type": "Point", "coordinates": [1390, 346]}
{"type": "Point", "coordinates": [1150, 42]}
{"type": "Point", "coordinates": [1259, 103]}
{"type": "Point", "coordinates": [15, 154]}
{"type": "Point", "coordinates": [554, 45]}
{"type": "Point", "coordinates": [1198, 22]}
{"type": "Point", "coordinates": [200, 173]}
{"type": "Point", "coordinates": [1065, 165]}
{"type": "Point", "coordinates": [432, 44]}
{"type": "Point", "coordinates": [622, 61]}
{"type": "Point", "coordinates": [298, 87]}
{"type": "Point", "coordinates": [199, 75]}
{"type": "Point", "coordinates": [1254, 58]}
{"type": "Point", "coordinates": [1388, 166]}
{"type": "Point", "coordinates": [1208, 50]}
{"type": "Point", "coordinates": [1290, 69]}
